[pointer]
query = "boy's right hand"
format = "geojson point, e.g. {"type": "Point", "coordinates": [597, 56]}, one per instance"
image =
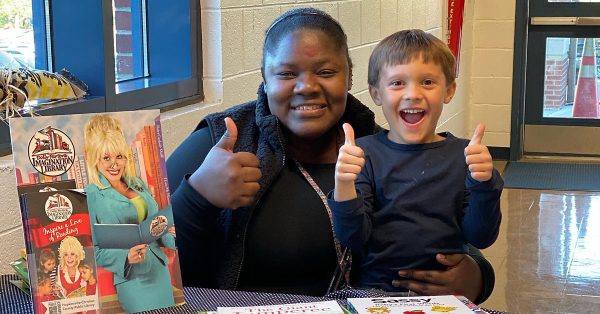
{"type": "Point", "coordinates": [350, 161]}
{"type": "Point", "coordinates": [227, 179]}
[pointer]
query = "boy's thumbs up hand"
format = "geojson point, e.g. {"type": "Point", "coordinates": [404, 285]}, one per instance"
{"type": "Point", "coordinates": [227, 179]}
{"type": "Point", "coordinates": [350, 161]}
{"type": "Point", "coordinates": [348, 134]}
{"type": "Point", "coordinates": [478, 157]}
{"type": "Point", "coordinates": [478, 134]}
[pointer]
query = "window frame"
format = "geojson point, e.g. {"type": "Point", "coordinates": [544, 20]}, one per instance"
{"type": "Point", "coordinates": [172, 80]}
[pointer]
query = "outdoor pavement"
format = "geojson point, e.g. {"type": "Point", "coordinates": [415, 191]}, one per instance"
{"type": "Point", "coordinates": [565, 111]}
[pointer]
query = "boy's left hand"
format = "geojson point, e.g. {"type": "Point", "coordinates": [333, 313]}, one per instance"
{"type": "Point", "coordinates": [478, 157]}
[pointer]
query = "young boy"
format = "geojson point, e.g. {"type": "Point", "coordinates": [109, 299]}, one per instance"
{"type": "Point", "coordinates": [412, 193]}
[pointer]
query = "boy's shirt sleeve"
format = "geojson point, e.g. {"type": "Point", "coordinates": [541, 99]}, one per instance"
{"type": "Point", "coordinates": [352, 219]}
{"type": "Point", "coordinates": [481, 222]}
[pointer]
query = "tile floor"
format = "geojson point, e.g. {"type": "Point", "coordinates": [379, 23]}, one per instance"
{"type": "Point", "coordinates": [547, 256]}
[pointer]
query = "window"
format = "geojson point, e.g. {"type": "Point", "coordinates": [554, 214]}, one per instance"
{"type": "Point", "coordinates": [132, 54]}
{"type": "Point", "coordinates": [130, 40]}
{"type": "Point", "coordinates": [16, 33]}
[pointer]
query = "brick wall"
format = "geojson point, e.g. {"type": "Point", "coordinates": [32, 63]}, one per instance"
{"type": "Point", "coordinates": [123, 39]}
{"type": "Point", "coordinates": [555, 82]}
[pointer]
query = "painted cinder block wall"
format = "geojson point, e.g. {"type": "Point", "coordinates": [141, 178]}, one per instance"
{"type": "Point", "coordinates": [232, 35]}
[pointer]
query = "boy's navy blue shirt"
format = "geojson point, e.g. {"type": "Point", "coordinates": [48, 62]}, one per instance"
{"type": "Point", "coordinates": [414, 201]}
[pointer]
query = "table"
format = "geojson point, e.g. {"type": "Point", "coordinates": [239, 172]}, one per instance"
{"type": "Point", "coordinates": [13, 300]}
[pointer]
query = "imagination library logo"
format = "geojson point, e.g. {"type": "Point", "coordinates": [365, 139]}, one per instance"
{"type": "Point", "coordinates": [58, 207]}
{"type": "Point", "coordinates": [51, 152]}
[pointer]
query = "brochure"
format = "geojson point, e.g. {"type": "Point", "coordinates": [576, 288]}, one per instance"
{"type": "Point", "coordinates": [128, 187]}
{"type": "Point", "coordinates": [410, 305]}
{"type": "Point", "coordinates": [324, 307]}
{"type": "Point", "coordinates": [60, 239]}
{"type": "Point", "coordinates": [38, 187]}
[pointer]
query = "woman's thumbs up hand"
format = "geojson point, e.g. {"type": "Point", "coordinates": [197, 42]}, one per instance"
{"type": "Point", "coordinates": [225, 178]}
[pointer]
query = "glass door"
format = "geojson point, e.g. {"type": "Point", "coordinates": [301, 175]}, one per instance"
{"type": "Point", "coordinates": [562, 79]}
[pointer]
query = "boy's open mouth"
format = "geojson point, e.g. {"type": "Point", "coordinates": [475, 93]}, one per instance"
{"type": "Point", "coordinates": [412, 116]}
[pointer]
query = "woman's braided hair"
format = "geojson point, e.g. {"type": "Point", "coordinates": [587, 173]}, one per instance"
{"type": "Point", "coordinates": [305, 18]}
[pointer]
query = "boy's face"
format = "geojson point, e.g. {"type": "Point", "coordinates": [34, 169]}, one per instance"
{"type": "Point", "coordinates": [412, 96]}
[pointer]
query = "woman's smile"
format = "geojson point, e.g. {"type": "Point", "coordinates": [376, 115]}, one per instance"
{"type": "Point", "coordinates": [114, 172]}
{"type": "Point", "coordinates": [310, 110]}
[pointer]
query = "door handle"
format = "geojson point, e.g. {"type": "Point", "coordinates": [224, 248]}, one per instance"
{"type": "Point", "coordinates": [566, 20]}
{"type": "Point", "coordinates": [588, 21]}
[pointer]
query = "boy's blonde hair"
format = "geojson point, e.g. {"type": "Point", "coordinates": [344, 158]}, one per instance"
{"type": "Point", "coordinates": [104, 134]}
{"type": "Point", "coordinates": [403, 46]}
{"type": "Point", "coordinates": [70, 244]}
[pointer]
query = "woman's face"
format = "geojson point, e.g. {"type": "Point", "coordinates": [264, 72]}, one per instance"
{"type": "Point", "coordinates": [112, 166]}
{"type": "Point", "coordinates": [71, 259]}
{"type": "Point", "coordinates": [306, 80]}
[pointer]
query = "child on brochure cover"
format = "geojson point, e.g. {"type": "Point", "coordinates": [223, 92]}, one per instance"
{"type": "Point", "coordinates": [43, 292]}
{"type": "Point", "coordinates": [87, 275]}
{"type": "Point", "coordinates": [48, 264]}
{"type": "Point", "coordinates": [402, 196]}
{"type": "Point", "coordinates": [116, 195]}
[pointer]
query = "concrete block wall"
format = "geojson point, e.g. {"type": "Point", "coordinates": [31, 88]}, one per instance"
{"type": "Point", "coordinates": [490, 36]}
{"type": "Point", "coordinates": [232, 35]}
{"type": "Point", "coordinates": [233, 32]}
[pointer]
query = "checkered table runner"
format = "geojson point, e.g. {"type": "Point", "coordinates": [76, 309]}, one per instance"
{"type": "Point", "coordinates": [13, 300]}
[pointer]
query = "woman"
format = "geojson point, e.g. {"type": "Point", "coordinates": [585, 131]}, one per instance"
{"type": "Point", "coordinates": [68, 281]}
{"type": "Point", "coordinates": [115, 195]}
{"type": "Point", "coordinates": [248, 214]}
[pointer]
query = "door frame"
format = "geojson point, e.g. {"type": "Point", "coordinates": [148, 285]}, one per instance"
{"type": "Point", "coordinates": [522, 17]}
{"type": "Point", "coordinates": [518, 89]}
